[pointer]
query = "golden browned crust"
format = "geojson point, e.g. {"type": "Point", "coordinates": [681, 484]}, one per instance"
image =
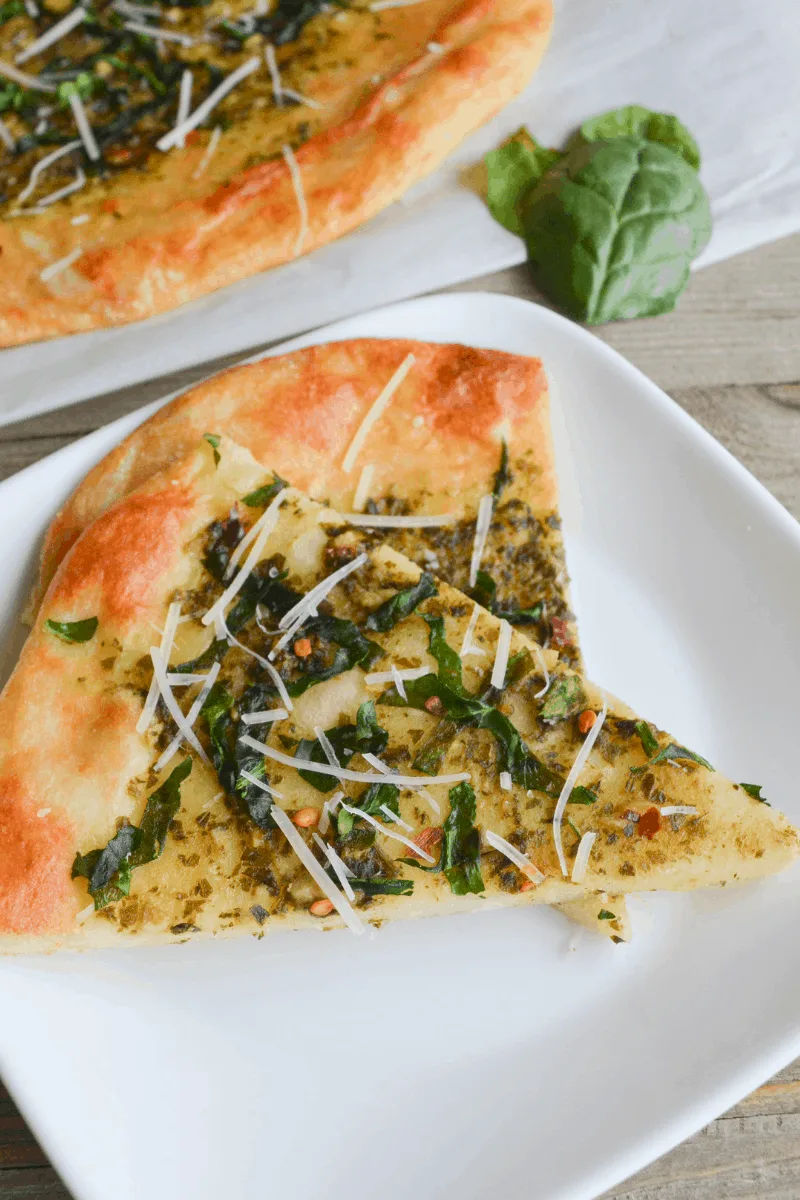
{"type": "Point", "coordinates": [436, 446]}
{"type": "Point", "coordinates": [178, 239]}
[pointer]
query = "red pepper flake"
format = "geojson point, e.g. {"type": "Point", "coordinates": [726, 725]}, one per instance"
{"type": "Point", "coordinates": [427, 840]}
{"type": "Point", "coordinates": [302, 647]}
{"type": "Point", "coordinates": [586, 720]}
{"type": "Point", "coordinates": [527, 885]}
{"type": "Point", "coordinates": [109, 206]}
{"type": "Point", "coordinates": [192, 136]}
{"type": "Point", "coordinates": [434, 705]}
{"type": "Point", "coordinates": [649, 823]}
{"type": "Point", "coordinates": [561, 635]}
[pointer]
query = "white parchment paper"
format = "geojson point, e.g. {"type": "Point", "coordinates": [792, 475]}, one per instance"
{"type": "Point", "coordinates": [728, 68]}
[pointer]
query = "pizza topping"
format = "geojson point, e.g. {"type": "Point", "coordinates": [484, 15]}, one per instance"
{"type": "Point", "coordinates": [167, 638]}
{"type": "Point", "coordinates": [209, 104]}
{"type": "Point", "coordinates": [468, 646]}
{"type": "Point", "coordinates": [376, 410]}
{"type": "Point", "coordinates": [304, 818]}
{"type": "Point", "coordinates": [545, 673]}
{"type": "Point", "coordinates": [210, 150]}
{"type": "Point", "coordinates": [307, 606]}
{"type": "Point", "coordinates": [482, 526]}
{"type": "Point", "coordinates": [264, 525]}
{"type": "Point", "coordinates": [582, 857]}
{"type": "Point", "coordinates": [649, 823]}
{"type": "Point", "coordinates": [506, 782]}
{"type": "Point", "coordinates": [565, 695]}
{"type": "Point", "coordinates": [274, 74]}
{"type": "Point", "coordinates": [586, 720]}
{"type": "Point", "coordinates": [376, 678]}
{"type": "Point", "coordinates": [84, 128]}
{"type": "Point", "coordinates": [61, 264]}
{"type": "Point", "coordinates": [73, 631]}
{"type": "Point", "coordinates": [581, 759]}
{"type": "Point", "coordinates": [297, 184]}
{"type": "Point", "coordinates": [191, 717]}
{"type": "Point", "coordinates": [109, 870]}
{"type": "Point", "coordinates": [672, 753]}
{"type": "Point", "coordinates": [514, 855]}
{"type": "Point", "coordinates": [401, 605]}
{"type": "Point", "coordinates": [54, 33]}
{"type": "Point", "coordinates": [362, 491]}
{"type": "Point", "coordinates": [374, 521]}
{"type": "Point", "coordinates": [501, 656]}
{"type": "Point", "coordinates": [332, 893]}
{"type": "Point", "coordinates": [265, 716]}
{"type": "Point", "coordinates": [678, 810]}
{"type": "Point", "coordinates": [389, 833]}
{"type": "Point", "coordinates": [25, 80]}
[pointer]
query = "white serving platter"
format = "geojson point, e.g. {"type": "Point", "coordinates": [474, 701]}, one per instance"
{"type": "Point", "coordinates": [493, 1054]}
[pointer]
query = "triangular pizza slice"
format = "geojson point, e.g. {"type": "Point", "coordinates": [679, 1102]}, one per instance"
{"type": "Point", "coordinates": [227, 723]}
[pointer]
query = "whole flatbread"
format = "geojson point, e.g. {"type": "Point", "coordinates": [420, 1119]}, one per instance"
{"type": "Point", "coordinates": [75, 772]}
{"type": "Point", "coordinates": [392, 92]}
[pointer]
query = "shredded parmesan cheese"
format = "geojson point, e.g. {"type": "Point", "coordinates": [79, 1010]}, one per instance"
{"type": "Point", "coordinates": [167, 638]}
{"type": "Point", "coordinates": [84, 128]}
{"type": "Point", "coordinates": [393, 817]}
{"type": "Point", "coordinates": [501, 656]}
{"type": "Point", "coordinates": [42, 165]}
{"type": "Point", "coordinates": [266, 523]}
{"type": "Point", "coordinates": [61, 264]}
{"type": "Point", "coordinates": [6, 137]}
{"type": "Point", "coordinates": [264, 716]}
{"type": "Point", "coordinates": [156, 31]}
{"type": "Point", "coordinates": [382, 767]}
{"type": "Point", "coordinates": [184, 102]}
{"type": "Point", "coordinates": [300, 98]}
{"type": "Point", "coordinates": [53, 34]}
{"type": "Point", "coordinates": [514, 855]}
{"type": "Point", "coordinates": [176, 679]}
{"type": "Point", "coordinates": [201, 112]}
{"type": "Point", "coordinates": [327, 809]}
{"type": "Point", "coordinates": [390, 833]}
{"type": "Point", "coordinates": [160, 668]}
{"type": "Point", "coordinates": [210, 150]}
{"type": "Point", "coordinates": [538, 695]}
{"type": "Point", "coordinates": [81, 219]}
{"type": "Point", "coordinates": [43, 812]}
{"type": "Point", "coordinates": [327, 747]}
{"type": "Point", "coordinates": [260, 783]}
{"type": "Point", "coordinates": [373, 521]}
{"type": "Point", "coordinates": [338, 865]}
{"type": "Point", "coordinates": [340, 902]}
{"type": "Point", "coordinates": [379, 677]}
{"type": "Point", "coordinates": [191, 716]}
{"type": "Point", "coordinates": [380, 5]}
{"type": "Point", "coordinates": [25, 80]}
{"type": "Point", "coordinates": [85, 913]}
{"type": "Point", "coordinates": [505, 781]}
{"type": "Point", "coordinates": [307, 606]}
{"type": "Point", "coordinates": [397, 679]}
{"type": "Point", "coordinates": [364, 482]}
{"type": "Point", "coordinates": [408, 781]}
{"type": "Point", "coordinates": [375, 412]}
{"type": "Point", "coordinates": [569, 783]}
{"type": "Point", "coordinates": [297, 184]}
{"type": "Point", "coordinates": [274, 74]}
{"type": "Point", "coordinates": [78, 182]}
{"type": "Point", "coordinates": [435, 48]}
{"type": "Point", "coordinates": [468, 646]}
{"type": "Point", "coordinates": [582, 857]}
{"type": "Point", "coordinates": [678, 810]}
{"type": "Point", "coordinates": [482, 525]}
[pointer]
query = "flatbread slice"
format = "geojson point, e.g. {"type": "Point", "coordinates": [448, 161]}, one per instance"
{"type": "Point", "coordinates": [174, 840]}
{"type": "Point", "coordinates": [435, 446]}
{"type": "Point", "coordinates": [150, 157]}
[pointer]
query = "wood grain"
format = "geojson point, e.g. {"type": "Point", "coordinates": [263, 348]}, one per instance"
{"type": "Point", "coordinates": [730, 356]}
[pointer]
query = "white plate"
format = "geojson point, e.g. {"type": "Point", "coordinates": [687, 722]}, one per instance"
{"type": "Point", "coordinates": [478, 1056]}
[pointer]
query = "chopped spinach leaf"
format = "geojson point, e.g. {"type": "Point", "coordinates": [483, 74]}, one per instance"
{"type": "Point", "coordinates": [485, 593]}
{"type": "Point", "coordinates": [213, 441]}
{"type": "Point", "coordinates": [108, 871]}
{"type": "Point", "coordinates": [222, 538]}
{"type": "Point", "coordinates": [383, 887]}
{"type": "Point", "coordinates": [73, 631]}
{"type": "Point", "coordinates": [366, 736]}
{"type": "Point", "coordinates": [605, 915]}
{"type": "Point", "coordinates": [401, 605]}
{"type": "Point", "coordinates": [502, 477]}
{"type": "Point", "coordinates": [485, 590]}
{"type": "Point", "coordinates": [12, 8]}
{"type": "Point", "coordinates": [564, 696]}
{"type": "Point", "coordinates": [354, 651]}
{"type": "Point", "coordinates": [231, 756]}
{"type": "Point", "coordinates": [449, 663]}
{"type": "Point", "coordinates": [262, 496]}
{"type": "Point", "coordinates": [648, 739]}
{"type": "Point", "coordinates": [461, 843]}
{"type": "Point", "coordinates": [673, 752]}
{"type": "Point", "coordinates": [372, 801]}
{"type": "Point", "coordinates": [754, 790]}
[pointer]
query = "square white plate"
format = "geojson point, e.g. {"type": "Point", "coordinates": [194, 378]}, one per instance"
{"type": "Point", "coordinates": [477, 1056]}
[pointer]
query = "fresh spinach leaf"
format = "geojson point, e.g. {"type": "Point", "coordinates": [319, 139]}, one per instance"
{"type": "Point", "coordinates": [262, 496]}
{"type": "Point", "coordinates": [511, 170]}
{"type": "Point", "coordinates": [108, 871]}
{"type": "Point", "coordinates": [12, 8]}
{"type": "Point", "coordinates": [605, 915]}
{"type": "Point", "coordinates": [401, 605]}
{"type": "Point", "coordinates": [564, 696]}
{"type": "Point", "coordinates": [461, 843]}
{"type": "Point", "coordinates": [213, 441]}
{"type": "Point", "coordinates": [373, 800]}
{"type": "Point", "coordinates": [449, 663]}
{"type": "Point", "coordinates": [635, 121]}
{"type": "Point", "coordinates": [366, 736]}
{"type": "Point", "coordinates": [222, 538]}
{"type": "Point", "coordinates": [612, 229]}
{"type": "Point", "coordinates": [485, 593]}
{"type": "Point", "coordinates": [354, 650]}
{"type": "Point", "coordinates": [73, 631]}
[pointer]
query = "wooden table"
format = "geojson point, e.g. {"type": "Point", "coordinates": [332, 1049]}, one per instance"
{"type": "Point", "coordinates": [731, 357]}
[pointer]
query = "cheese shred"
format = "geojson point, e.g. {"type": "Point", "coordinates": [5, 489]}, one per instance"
{"type": "Point", "coordinates": [569, 783]}
{"type": "Point", "coordinates": [340, 902]}
{"type": "Point", "coordinates": [53, 34]}
{"type": "Point", "coordinates": [375, 412]}
{"type": "Point", "coordinates": [482, 526]}
{"type": "Point", "coordinates": [297, 184]}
